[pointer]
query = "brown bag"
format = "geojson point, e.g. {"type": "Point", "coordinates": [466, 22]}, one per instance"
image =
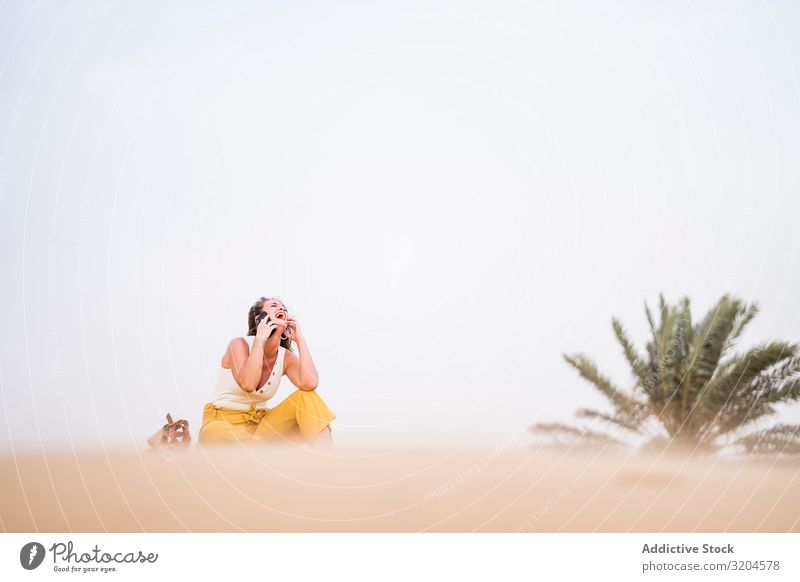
{"type": "Point", "coordinates": [174, 433]}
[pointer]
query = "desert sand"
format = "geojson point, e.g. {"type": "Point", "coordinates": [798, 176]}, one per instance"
{"type": "Point", "coordinates": [394, 489]}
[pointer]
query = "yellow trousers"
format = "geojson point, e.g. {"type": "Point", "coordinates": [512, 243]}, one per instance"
{"type": "Point", "coordinates": [299, 418]}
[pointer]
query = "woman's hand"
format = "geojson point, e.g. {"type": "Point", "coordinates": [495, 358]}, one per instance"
{"type": "Point", "coordinates": [267, 326]}
{"type": "Point", "coordinates": [293, 327]}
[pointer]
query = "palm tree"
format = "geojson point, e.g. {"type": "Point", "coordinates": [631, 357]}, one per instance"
{"type": "Point", "coordinates": [691, 389]}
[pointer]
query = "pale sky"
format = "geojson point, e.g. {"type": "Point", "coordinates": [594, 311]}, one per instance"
{"type": "Point", "coordinates": [448, 197]}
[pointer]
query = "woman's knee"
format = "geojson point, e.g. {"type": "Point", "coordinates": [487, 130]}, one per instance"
{"type": "Point", "coordinates": [308, 397]}
{"type": "Point", "coordinates": [298, 393]}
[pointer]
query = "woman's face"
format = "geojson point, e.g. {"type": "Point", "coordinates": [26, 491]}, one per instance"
{"type": "Point", "coordinates": [275, 309]}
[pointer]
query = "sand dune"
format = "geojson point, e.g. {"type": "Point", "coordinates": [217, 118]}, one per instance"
{"type": "Point", "coordinates": [443, 489]}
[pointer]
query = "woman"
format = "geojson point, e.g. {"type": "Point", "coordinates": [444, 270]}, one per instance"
{"type": "Point", "coordinates": [251, 372]}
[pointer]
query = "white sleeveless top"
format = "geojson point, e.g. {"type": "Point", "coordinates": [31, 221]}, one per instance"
{"type": "Point", "coordinates": [228, 394]}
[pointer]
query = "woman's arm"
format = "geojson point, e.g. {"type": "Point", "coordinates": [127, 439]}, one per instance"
{"type": "Point", "coordinates": [246, 363]}
{"type": "Point", "coordinates": [301, 370]}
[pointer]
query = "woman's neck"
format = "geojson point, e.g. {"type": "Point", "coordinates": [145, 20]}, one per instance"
{"type": "Point", "coordinates": [271, 345]}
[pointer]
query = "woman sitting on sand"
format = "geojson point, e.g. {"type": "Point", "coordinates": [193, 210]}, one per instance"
{"type": "Point", "coordinates": [251, 372]}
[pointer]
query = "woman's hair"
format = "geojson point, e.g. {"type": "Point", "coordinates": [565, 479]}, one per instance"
{"type": "Point", "coordinates": [254, 312]}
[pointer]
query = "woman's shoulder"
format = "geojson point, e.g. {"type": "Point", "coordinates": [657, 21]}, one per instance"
{"type": "Point", "coordinates": [236, 343]}
{"type": "Point", "coordinates": [241, 343]}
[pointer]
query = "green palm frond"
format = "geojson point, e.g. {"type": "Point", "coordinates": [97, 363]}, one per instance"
{"type": "Point", "coordinates": [735, 395]}
{"type": "Point", "coordinates": [650, 320]}
{"type": "Point", "coordinates": [686, 321]}
{"type": "Point", "coordinates": [666, 361]}
{"type": "Point", "coordinates": [781, 438]}
{"type": "Point", "coordinates": [625, 405]}
{"type": "Point", "coordinates": [627, 422]}
{"type": "Point", "coordinates": [710, 338]}
{"type": "Point", "coordinates": [666, 332]}
{"type": "Point", "coordinates": [640, 369]}
{"type": "Point", "coordinates": [579, 435]}
{"type": "Point", "coordinates": [653, 378]}
{"type": "Point", "coordinates": [744, 315]}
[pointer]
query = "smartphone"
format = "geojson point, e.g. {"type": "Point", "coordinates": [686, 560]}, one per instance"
{"type": "Point", "coordinates": [261, 317]}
